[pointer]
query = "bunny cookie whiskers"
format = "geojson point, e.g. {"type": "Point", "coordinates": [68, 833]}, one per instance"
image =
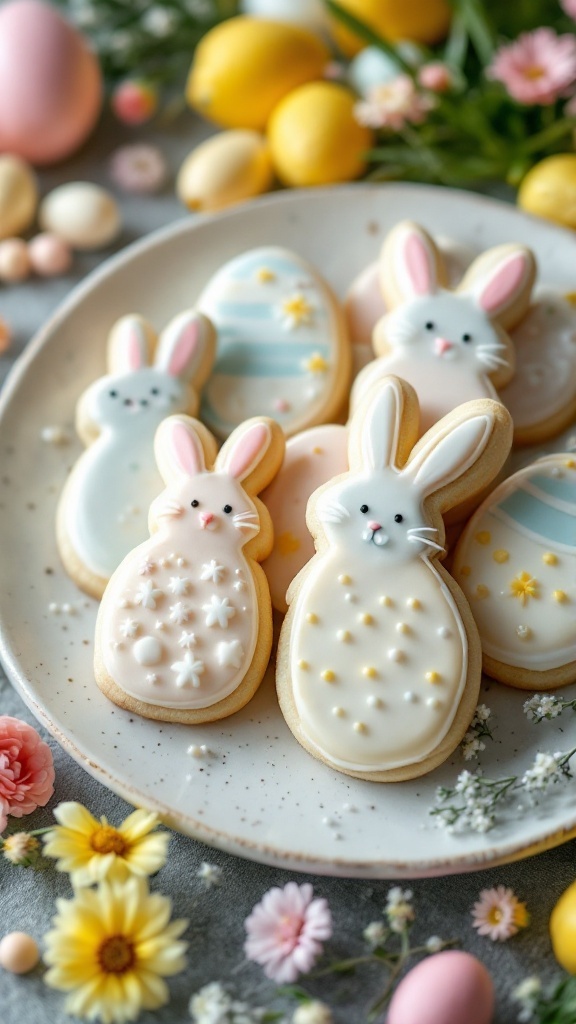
{"type": "Point", "coordinates": [184, 630]}
{"type": "Point", "coordinates": [379, 660]}
{"type": "Point", "coordinates": [103, 508]}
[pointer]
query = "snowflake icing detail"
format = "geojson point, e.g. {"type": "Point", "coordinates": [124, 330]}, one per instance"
{"type": "Point", "coordinates": [179, 613]}
{"type": "Point", "coordinates": [147, 595]}
{"type": "Point", "coordinates": [230, 653]}
{"type": "Point", "coordinates": [218, 612]}
{"type": "Point", "coordinates": [212, 571]}
{"type": "Point", "coordinates": [188, 671]}
{"type": "Point", "coordinates": [128, 628]}
{"type": "Point", "coordinates": [187, 640]}
{"type": "Point", "coordinates": [179, 585]}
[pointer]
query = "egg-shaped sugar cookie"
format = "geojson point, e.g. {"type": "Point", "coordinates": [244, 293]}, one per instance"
{"type": "Point", "coordinates": [542, 394]}
{"type": "Point", "coordinates": [516, 563]}
{"type": "Point", "coordinates": [282, 346]}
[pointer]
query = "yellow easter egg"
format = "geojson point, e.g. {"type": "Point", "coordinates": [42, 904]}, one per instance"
{"type": "Point", "coordinates": [549, 189]}
{"type": "Point", "coordinates": [226, 169]}
{"type": "Point", "coordinates": [18, 195]}
{"type": "Point", "coordinates": [420, 21]}
{"type": "Point", "coordinates": [563, 929]}
{"type": "Point", "coordinates": [245, 66]}
{"type": "Point", "coordinates": [315, 138]}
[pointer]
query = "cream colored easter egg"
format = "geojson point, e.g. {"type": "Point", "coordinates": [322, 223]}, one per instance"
{"type": "Point", "coordinates": [226, 169]}
{"type": "Point", "coordinates": [18, 195]}
{"type": "Point", "coordinates": [83, 214]}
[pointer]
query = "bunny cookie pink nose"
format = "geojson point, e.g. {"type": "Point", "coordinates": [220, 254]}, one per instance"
{"type": "Point", "coordinates": [206, 518]}
{"type": "Point", "coordinates": [374, 526]}
{"type": "Point", "coordinates": [442, 345]}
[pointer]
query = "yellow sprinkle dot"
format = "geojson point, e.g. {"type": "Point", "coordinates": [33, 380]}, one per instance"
{"type": "Point", "coordinates": [433, 677]}
{"type": "Point", "coordinates": [414, 604]}
{"type": "Point", "coordinates": [303, 664]}
{"type": "Point", "coordinates": [483, 537]}
{"type": "Point", "coordinates": [482, 590]}
{"type": "Point", "coordinates": [264, 275]}
{"type": "Point", "coordinates": [360, 727]}
{"type": "Point", "coordinates": [570, 464]}
{"type": "Point", "coordinates": [339, 712]}
{"type": "Point", "coordinates": [312, 618]}
{"type": "Point", "coordinates": [386, 602]}
{"type": "Point", "coordinates": [560, 595]}
{"type": "Point", "coordinates": [550, 558]}
{"type": "Point", "coordinates": [287, 543]}
{"type": "Point", "coordinates": [366, 619]}
{"type": "Point", "coordinates": [571, 298]}
{"type": "Point", "coordinates": [500, 555]}
{"type": "Point", "coordinates": [369, 672]}
{"type": "Point", "coordinates": [465, 570]}
{"type": "Point", "coordinates": [344, 635]}
{"type": "Point", "coordinates": [328, 675]}
{"type": "Point", "coordinates": [343, 578]}
{"type": "Point", "coordinates": [317, 450]}
{"type": "Point", "coordinates": [402, 627]}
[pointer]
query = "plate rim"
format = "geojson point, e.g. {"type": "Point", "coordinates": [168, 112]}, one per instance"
{"type": "Point", "coordinates": [194, 828]}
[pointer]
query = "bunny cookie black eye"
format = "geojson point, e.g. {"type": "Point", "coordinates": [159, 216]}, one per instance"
{"type": "Point", "coordinates": [429, 325]}
{"type": "Point", "coordinates": [227, 509]}
{"type": "Point", "coordinates": [466, 337]}
{"type": "Point", "coordinates": [195, 503]}
{"type": "Point", "coordinates": [398, 518]}
{"type": "Point", "coordinates": [113, 394]}
{"type": "Point", "coordinates": [154, 391]}
{"type": "Point", "coordinates": [364, 509]}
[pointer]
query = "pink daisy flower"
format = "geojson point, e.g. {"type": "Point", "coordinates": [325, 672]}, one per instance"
{"type": "Point", "coordinates": [285, 931]}
{"type": "Point", "coordinates": [570, 7]}
{"type": "Point", "coordinates": [499, 914]}
{"type": "Point", "coordinates": [26, 769]}
{"type": "Point", "coordinates": [537, 68]}
{"type": "Point", "coordinates": [436, 76]}
{"type": "Point", "coordinates": [393, 104]}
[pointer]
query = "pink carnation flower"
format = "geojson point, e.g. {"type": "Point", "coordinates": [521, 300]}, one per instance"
{"type": "Point", "coordinates": [499, 914]}
{"type": "Point", "coordinates": [26, 769]}
{"type": "Point", "coordinates": [537, 68]}
{"type": "Point", "coordinates": [393, 104]}
{"type": "Point", "coordinates": [285, 931]}
{"type": "Point", "coordinates": [436, 76]}
{"type": "Point", "coordinates": [570, 7]}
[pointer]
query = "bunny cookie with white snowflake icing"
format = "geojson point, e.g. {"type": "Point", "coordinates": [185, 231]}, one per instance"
{"type": "Point", "coordinates": [379, 660]}
{"type": "Point", "coordinates": [104, 505]}
{"type": "Point", "coordinates": [450, 346]}
{"type": "Point", "coordinates": [184, 630]}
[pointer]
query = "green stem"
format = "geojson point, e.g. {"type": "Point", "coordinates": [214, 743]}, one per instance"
{"type": "Point", "coordinates": [553, 133]}
{"type": "Point", "coordinates": [368, 35]}
{"type": "Point", "coordinates": [478, 27]}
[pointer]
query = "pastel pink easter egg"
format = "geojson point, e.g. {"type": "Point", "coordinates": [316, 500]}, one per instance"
{"type": "Point", "coordinates": [448, 988]}
{"type": "Point", "coordinates": [18, 953]}
{"type": "Point", "coordinates": [49, 254]}
{"type": "Point", "coordinates": [14, 260]}
{"type": "Point", "coordinates": [50, 83]}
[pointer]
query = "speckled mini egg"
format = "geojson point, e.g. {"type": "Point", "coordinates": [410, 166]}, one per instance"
{"type": "Point", "coordinates": [18, 195]}
{"type": "Point", "coordinates": [373, 67]}
{"type": "Point", "coordinates": [228, 168]}
{"type": "Point", "coordinates": [83, 214]}
{"type": "Point", "coordinates": [50, 83]}
{"type": "Point", "coordinates": [18, 953]}
{"type": "Point", "coordinates": [449, 988]}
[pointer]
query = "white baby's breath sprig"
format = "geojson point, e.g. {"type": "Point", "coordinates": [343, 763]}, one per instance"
{"type": "Point", "coordinates": [546, 706]}
{"type": "Point", "coordinates": [472, 804]}
{"type": "Point", "coordinates": [526, 994]}
{"type": "Point", "coordinates": [479, 729]}
{"type": "Point", "coordinates": [399, 909]}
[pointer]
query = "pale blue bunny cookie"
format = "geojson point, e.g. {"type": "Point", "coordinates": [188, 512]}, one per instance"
{"type": "Point", "coordinates": [282, 347]}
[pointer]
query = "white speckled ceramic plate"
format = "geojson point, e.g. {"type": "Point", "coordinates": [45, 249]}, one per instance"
{"type": "Point", "coordinates": [258, 794]}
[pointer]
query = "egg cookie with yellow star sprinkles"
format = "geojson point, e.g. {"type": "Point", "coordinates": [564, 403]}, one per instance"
{"type": "Point", "coordinates": [516, 563]}
{"type": "Point", "coordinates": [283, 348]}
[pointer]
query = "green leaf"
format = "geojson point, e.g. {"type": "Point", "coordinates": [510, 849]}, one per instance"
{"type": "Point", "coordinates": [368, 35]}
{"type": "Point", "coordinates": [481, 32]}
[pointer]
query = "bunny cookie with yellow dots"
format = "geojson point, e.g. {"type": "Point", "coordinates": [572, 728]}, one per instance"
{"type": "Point", "coordinates": [184, 630]}
{"type": "Point", "coordinates": [451, 346]}
{"type": "Point", "coordinates": [379, 660]}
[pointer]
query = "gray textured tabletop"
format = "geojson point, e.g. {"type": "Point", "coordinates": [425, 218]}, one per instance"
{"type": "Point", "coordinates": [216, 915]}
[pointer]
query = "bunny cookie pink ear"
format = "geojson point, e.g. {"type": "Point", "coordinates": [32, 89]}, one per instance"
{"type": "Point", "coordinates": [410, 265]}
{"type": "Point", "coordinates": [501, 281]}
{"type": "Point", "coordinates": [186, 347]}
{"type": "Point", "coordinates": [253, 453]}
{"type": "Point", "coordinates": [178, 449]}
{"type": "Point", "coordinates": [129, 344]}
{"type": "Point", "coordinates": [451, 450]}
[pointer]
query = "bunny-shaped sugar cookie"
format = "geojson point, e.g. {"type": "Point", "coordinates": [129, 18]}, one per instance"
{"type": "Point", "coordinates": [450, 346]}
{"type": "Point", "coordinates": [184, 630]}
{"type": "Point", "coordinates": [379, 660]}
{"type": "Point", "coordinates": [104, 505]}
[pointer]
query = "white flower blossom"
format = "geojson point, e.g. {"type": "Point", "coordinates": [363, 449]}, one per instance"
{"type": "Point", "coordinates": [434, 944]}
{"type": "Point", "coordinates": [374, 933]}
{"type": "Point", "coordinates": [159, 21]}
{"type": "Point", "coordinates": [482, 714]}
{"type": "Point", "coordinates": [544, 772]}
{"type": "Point", "coordinates": [210, 874]}
{"type": "Point", "coordinates": [526, 995]}
{"type": "Point", "coordinates": [213, 1005]}
{"type": "Point", "coordinates": [313, 1012]}
{"type": "Point", "coordinates": [471, 746]}
{"type": "Point", "coordinates": [539, 707]}
{"type": "Point", "coordinates": [399, 909]}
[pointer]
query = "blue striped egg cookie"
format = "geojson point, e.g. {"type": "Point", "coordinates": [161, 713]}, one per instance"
{"type": "Point", "coordinates": [516, 563]}
{"type": "Point", "coordinates": [282, 345]}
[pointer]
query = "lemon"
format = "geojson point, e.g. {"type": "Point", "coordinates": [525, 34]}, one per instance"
{"type": "Point", "coordinates": [563, 929]}
{"type": "Point", "coordinates": [226, 169]}
{"type": "Point", "coordinates": [243, 67]}
{"type": "Point", "coordinates": [549, 189]}
{"type": "Point", "coordinates": [420, 21]}
{"type": "Point", "coordinates": [314, 137]}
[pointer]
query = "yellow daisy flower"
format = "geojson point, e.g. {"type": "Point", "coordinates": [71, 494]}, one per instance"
{"type": "Point", "coordinates": [524, 586]}
{"type": "Point", "coordinates": [111, 948]}
{"type": "Point", "coordinates": [90, 850]}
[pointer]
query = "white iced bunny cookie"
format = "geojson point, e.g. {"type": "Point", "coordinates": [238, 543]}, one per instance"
{"type": "Point", "coordinates": [283, 349]}
{"type": "Point", "coordinates": [184, 630]}
{"type": "Point", "coordinates": [450, 346]}
{"type": "Point", "coordinates": [542, 394]}
{"type": "Point", "coordinates": [103, 510]}
{"type": "Point", "coordinates": [516, 563]}
{"type": "Point", "coordinates": [379, 660]}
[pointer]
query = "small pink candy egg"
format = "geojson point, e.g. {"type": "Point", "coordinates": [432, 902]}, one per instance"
{"type": "Point", "coordinates": [50, 83]}
{"type": "Point", "coordinates": [5, 335]}
{"type": "Point", "coordinates": [50, 255]}
{"type": "Point", "coordinates": [14, 260]}
{"type": "Point", "coordinates": [449, 988]}
{"type": "Point", "coordinates": [18, 953]}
